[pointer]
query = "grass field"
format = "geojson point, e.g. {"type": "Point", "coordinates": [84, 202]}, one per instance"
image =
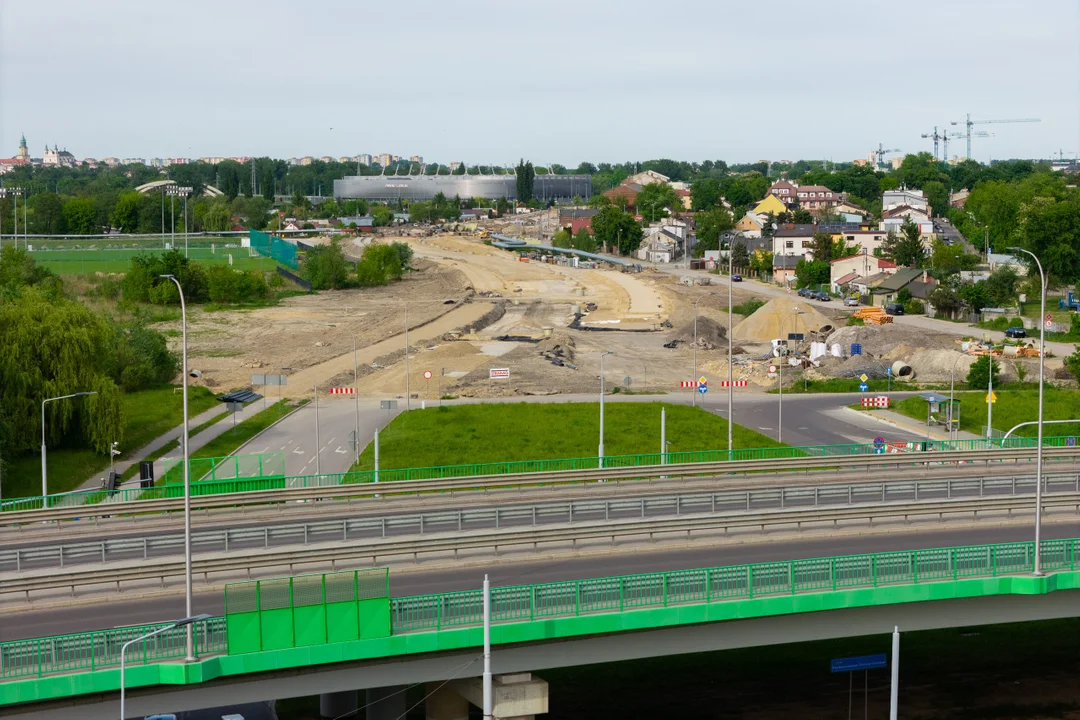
{"type": "Point", "coordinates": [461, 434]}
{"type": "Point", "coordinates": [1015, 404]}
{"type": "Point", "coordinates": [147, 414]}
{"type": "Point", "coordinates": [81, 261]}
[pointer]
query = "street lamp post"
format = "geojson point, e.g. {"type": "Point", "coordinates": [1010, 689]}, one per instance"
{"type": "Point", "coordinates": [1039, 431]}
{"type": "Point", "coordinates": [318, 443]}
{"type": "Point", "coordinates": [694, 393]}
{"type": "Point", "coordinates": [601, 452]}
{"type": "Point", "coordinates": [174, 192]}
{"type": "Point", "coordinates": [408, 395]}
{"type": "Point", "coordinates": [44, 473]}
{"type": "Point", "coordinates": [780, 364]}
{"type": "Point", "coordinates": [189, 655]}
{"type": "Point", "coordinates": [185, 622]}
{"type": "Point", "coordinates": [730, 371]}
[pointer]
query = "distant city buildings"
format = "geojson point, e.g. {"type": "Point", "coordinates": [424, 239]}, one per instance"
{"type": "Point", "coordinates": [58, 158]}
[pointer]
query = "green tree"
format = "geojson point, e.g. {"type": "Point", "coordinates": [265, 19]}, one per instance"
{"type": "Point", "coordinates": [599, 201]}
{"type": "Point", "coordinates": [656, 200]}
{"type": "Point", "coordinates": [381, 216]}
{"type": "Point", "coordinates": [561, 238]}
{"type": "Point", "coordinates": [616, 228]}
{"type": "Point", "coordinates": [705, 193]}
{"type": "Point", "coordinates": [125, 214]}
{"type": "Point", "coordinates": [583, 240]}
{"type": "Point", "coordinates": [325, 267]}
{"type": "Point", "coordinates": [1001, 287]}
{"type": "Point", "coordinates": [1072, 362]}
{"type": "Point", "coordinates": [80, 216]}
{"type": "Point", "coordinates": [975, 295]}
{"type": "Point", "coordinates": [821, 247]}
{"type": "Point", "coordinates": [48, 217]}
{"type": "Point", "coordinates": [937, 197]}
{"type": "Point", "coordinates": [525, 179]}
{"type": "Point", "coordinates": [768, 228]}
{"type": "Point", "coordinates": [740, 258]}
{"type": "Point", "coordinates": [300, 203]}
{"type": "Point", "coordinates": [1051, 229]}
{"type": "Point", "coordinates": [379, 264]}
{"type": "Point", "coordinates": [904, 248]}
{"type": "Point", "coordinates": [948, 260]}
{"type": "Point", "coordinates": [812, 273]}
{"type": "Point", "coordinates": [710, 226]}
{"type": "Point", "coordinates": [405, 255]}
{"type": "Point", "coordinates": [217, 217]}
{"type": "Point", "coordinates": [945, 300]}
{"type": "Point", "coordinates": [802, 217]}
{"type": "Point", "coordinates": [268, 183]}
{"type": "Point", "coordinates": [978, 376]}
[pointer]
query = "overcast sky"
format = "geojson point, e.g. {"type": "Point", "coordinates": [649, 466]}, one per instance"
{"type": "Point", "coordinates": [489, 81]}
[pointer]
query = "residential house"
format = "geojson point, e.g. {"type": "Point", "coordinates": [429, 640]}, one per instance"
{"type": "Point", "coordinates": [893, 219]}
{"type": "Point", "coordinates": [846, 208]}
{"type": "Point", "coordinates": [843, 270]}
{"type": "Point", "coordinates": [816, 198]}
{"type": "Point", "coordinates": [912, 198]}
{"type": "Point", "coordinates": [472, 214]}
{"type": "Point", "coordinates": [647, 177]}
{"type": "Point", "coordinates": [997, 260]}
{"type": "Point", "coordinates": [750, 225]}
{"type": "Point", "coordinates": [573, 219]}
{"type": "Point", "coordinates": [958, 198]}
{"type": "Point", "coordinates": [624, 194]}
{"type": "Point", "coordinates": [364, 223]}
{"type": "Point", "coordinates": [784, 269]}
{"type": "Point", "coordinates": [866, 238]}
{"type": "Point", "coordinates": [863, 284]}
{"type": "Point", "coordinates": [786, 192]}
{"type": "Point", "coordinates": [684, 196]}
{"type": "Point", "coordinates": [662, 246]}
{"type": "Point", "coordinates": [771, 204]}
{"type": "Point", "coordinates": [792, 239]}
{"type": "Point", "coordinates": [917, 282]}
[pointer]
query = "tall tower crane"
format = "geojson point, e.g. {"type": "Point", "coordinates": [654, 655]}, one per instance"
{"type": "Point", "coordinates": [968, 122]}
{"type": "Point", "coordinates": [946, 136]}
{"type": "Point", "coordinates": [881, 152]}
{"type": "Point", "coordinates": [937, 137]}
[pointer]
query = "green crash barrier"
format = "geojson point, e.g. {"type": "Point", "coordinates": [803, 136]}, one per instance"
{"type": "Point", "coordinates": [307, 610]}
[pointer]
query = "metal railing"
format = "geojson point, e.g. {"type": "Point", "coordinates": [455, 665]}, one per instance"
{"type": "Point", "coordinates": [652, 590]}
{"type": "Point", "coordinates": [358, 529]}
{"type": "Point", "coordinates": [93, 650]}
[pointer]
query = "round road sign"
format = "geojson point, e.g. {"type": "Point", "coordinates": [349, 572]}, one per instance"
{"type": "Point", "coordinates": [1071, 442]}
{"type": "Point", "coordinates": [1049, 324]}
{"type": "Point", "coordinates": [879, 441]}
{"type": "Point", "coordinates": [427, 374]}
{"type": "Point", "coordinates": [772, 369]}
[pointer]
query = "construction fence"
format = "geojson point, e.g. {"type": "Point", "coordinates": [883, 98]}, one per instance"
{"type": "Point", "coordinates": [274, 247]}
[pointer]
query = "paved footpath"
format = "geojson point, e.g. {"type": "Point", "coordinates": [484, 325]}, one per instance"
{"type": "Point", "coordinates": [194, 443]}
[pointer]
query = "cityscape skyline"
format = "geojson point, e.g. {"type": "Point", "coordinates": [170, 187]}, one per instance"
{"type": "Point", "coordinates": [739, 101]}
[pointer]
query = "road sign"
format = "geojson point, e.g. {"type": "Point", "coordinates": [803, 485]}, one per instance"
{"type": "Point", "coordinates": [702, 380]}
{"type": "Point", "coordinates": [795, 336]}
{"type": "Point", "coordinates": [260, 379]}
{"type": "Point", "coordinates": [1049, 324]}
{"type": "Point", "coordinates": [499, 374]}
{"type": "Point", "coordinates": [341, 391]}
{"type": "Point", "coordinates": [703, 389]}
{"type": "Point", "coordinates": [772, 370]}
{"type": "Point", "coordinates": [991, 398]}
{"type": "Point", "coordinates": [427, 374]}
{"type": "Point", "coordinates": [627, 381]}
{"type": "Point", "coordinates": [863, 387]}
{"type": "Point", "coordinates": [388, 404]}
{"type": "Point", "coordinates": [863, 377]}
{"type": "Point", "coordinates": [1071, 442]}
{"type": "Point", "coordinates": [888, 370]}
{"type": "Point", "coordinates": [1049, 317]}
{"type": "Point", "coordinates": [879, 441]}
{"type": "Point", "coordinates": [853, 664]}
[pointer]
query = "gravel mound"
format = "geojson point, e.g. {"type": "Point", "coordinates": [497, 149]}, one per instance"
{"type": "Point", "coordinates": [765, 324]}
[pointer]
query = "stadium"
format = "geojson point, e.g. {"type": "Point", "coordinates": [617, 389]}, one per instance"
{"type": "Point", "coordinates": [426, 187]}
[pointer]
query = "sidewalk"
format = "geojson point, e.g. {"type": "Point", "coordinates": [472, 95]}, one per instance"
{"type": "Point", "coordinates": [936, 432]}
{"type": "Point", "coordinates": [194, 443]}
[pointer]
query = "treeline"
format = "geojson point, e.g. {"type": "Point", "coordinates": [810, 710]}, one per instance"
{"type": "Point", "coordinates": [327, 268]}
{"type": "Point", "coordinates": [144, 281]}
{"type": "Point", "coordinates": [53, 345]}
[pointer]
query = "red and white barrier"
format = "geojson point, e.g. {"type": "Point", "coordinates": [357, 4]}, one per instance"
{"type": "Point", "coordinates": [882, 401]}
{"type": "Point", "coordinates": [341, 391]}
{"type": "Point", "coordinates": [734, 383]}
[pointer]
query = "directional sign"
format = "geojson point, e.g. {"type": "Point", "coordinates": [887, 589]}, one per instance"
{"type": "Point", "coordinates": [863, 387]}
{"type": "Point", "coordinates": [991, 398]}
{"type": "Point", "coordinates": [852, 664]}
{"type": "Point", "coordinates": [863, 377]}
{"type": "Point", "coordinates": [703, 389]}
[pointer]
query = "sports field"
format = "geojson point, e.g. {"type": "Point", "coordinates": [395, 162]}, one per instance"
{"type": "Point", "coordinates": [80, 261]}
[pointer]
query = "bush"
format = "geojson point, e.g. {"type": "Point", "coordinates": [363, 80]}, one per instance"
{"type": "Point", "coordinates": [913, 307]}
{"type": "Point", "coordinates": [325, 267]}
{"type": "Point", "coordinates": [1072, 363]}
{"type": "Point", "coordinates": [378, 265]}
{"type": "Point", "coordinates": [748, 308]}
{"type": "Point", "coordinates": [979, 374]}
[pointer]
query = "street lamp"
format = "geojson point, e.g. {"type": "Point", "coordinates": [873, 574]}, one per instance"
{"type": "Point", "coordinates": [1039, 431]}
{"type": "Point", "coordinates": [601, 453]}
{"type": "Point", "coordinates": [730, 371]}
{"type": "Point", "coordinates": [694, 394]}
{"type": "Point", "coordinates": [44, 474]}
{"type": "Point", "coordinates": [318, 443]}
{"type": "Point", "coordinates": [188, 600]}
{"type": "Point", "coordinates": [780, 363]}
{"type": "Point", "coordinates": [15, 192]}
{"type": "Point", "coordinates": [185, 622]}
{"type": "Point", "coordinates": [408, 395]}
{"type": "Point", "coordinates": [174, 192]}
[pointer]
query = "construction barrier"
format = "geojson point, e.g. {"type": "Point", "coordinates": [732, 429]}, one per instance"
{"type": "Point", "coordinates": [876, 402]}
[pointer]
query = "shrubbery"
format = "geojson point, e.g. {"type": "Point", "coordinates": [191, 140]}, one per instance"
{"type": "Point", "coordinates": [144, 283]}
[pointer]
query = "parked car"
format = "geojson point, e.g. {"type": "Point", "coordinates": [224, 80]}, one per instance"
{"type": "Point", "coordinates": [894, 309]}
{"type": "Point", "coordinates": [804, 292]}
{"type": "Point", "coordinates": [851, 302]}
{"type": "Point", "coordinates": [736, 278]}
{"type": "Point", "coordinates": [821, 295]}
{"type": "Point", "coordinates": [1015, 332]}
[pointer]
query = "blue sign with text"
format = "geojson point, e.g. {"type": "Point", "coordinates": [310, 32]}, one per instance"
{"type": "Point", "coordinates": [852, 664]}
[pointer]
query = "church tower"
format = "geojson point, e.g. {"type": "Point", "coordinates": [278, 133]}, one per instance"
{"type": "Point", "coordinates": [24, 151]}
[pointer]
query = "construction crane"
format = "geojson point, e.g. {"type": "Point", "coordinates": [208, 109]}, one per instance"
{"type": "Point", "coordinates": [946, 136]}
{"type": "Point", "coordinates": [968, 122]}
{"type": "Point", "coordinates": [937, 137]}
{"type": "Point", "coordinates": [879, 154]}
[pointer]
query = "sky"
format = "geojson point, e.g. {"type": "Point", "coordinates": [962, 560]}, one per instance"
{"type": "Point", "coordinates": [559, 81]}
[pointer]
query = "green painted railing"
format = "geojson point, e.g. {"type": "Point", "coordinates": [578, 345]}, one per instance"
{"type": "Point", "coordinates": [92, 650]}
{"type": "Point", "coordinates": [231, 467]}
{"type": "Point", "coordinates": [615, 594]}
{"type": "Point", "coordinates": [215, 487]}
{"type": "Point", "coordinates": [523, 603]}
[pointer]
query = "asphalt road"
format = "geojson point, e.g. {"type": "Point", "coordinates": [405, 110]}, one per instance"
{"type": "Point", "coordinates": [118, 613]}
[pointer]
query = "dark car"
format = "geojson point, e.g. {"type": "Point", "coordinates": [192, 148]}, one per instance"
{"type": "Point", "coordinates": [1015, 332]}
{"type": "Point", "coordinates": [804, 292]}
{"type": "Point", "coordinates": [894, 309]}
{"type": "Point", "coordinates": [736, 278]}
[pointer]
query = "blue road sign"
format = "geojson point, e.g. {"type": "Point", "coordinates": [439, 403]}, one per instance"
{"type": "Point", "coordinates": [879, 440]}
{"type": "Point", "coordinates": [703, 388]}
{"type": "Point", "coordinates": [863, 387]}
{"type": "Point", "coordinates": [888, 371]}
{"type": "Point", "coordinates": [866, 662]}
{"type": "Point", "coordinates": [1071, 442]}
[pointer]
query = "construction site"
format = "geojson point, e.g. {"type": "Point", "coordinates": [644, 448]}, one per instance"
{"type": "Point", "coordinates": [471, 308]}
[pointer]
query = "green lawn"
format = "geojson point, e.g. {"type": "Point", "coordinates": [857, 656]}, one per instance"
{"type": "Point", "coordinates": [1015, 404]}
{"type": "Point", "coordinates": [147, 415]}
{"type": "Point", "coordinates": [83, 261]}
{"type": "Point", "coordinates": [461, 434]}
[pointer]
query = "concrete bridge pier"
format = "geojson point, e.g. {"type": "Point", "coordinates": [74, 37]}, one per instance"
{"type": "Point", "coordinates": [386, 703]}
{"type": "Point", "coordinates": [443, 703]}
{"type": "Point", "coordinates": [517, 696]}
{"type": "Point", "coordinates": [335, 704]}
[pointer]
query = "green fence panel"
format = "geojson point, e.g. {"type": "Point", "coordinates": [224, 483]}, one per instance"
{"type": "Point", "coordinates": [275, 604]}
{"type": "Point", "coordinates": [274, 247]}
{"type": "Point", "coordinates": [342, 622]}
{"type": "Point", "coordinates": [309, 611]}
{"type": "Point", "coordinates": [374, 618]}
{"type": "Point", "coordinates": [244, 632]}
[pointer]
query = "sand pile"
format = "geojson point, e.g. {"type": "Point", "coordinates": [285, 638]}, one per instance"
{"type": "Point", "coordinates": [709, 332]}
{"type": "Point", "coordinates": [764, 325]}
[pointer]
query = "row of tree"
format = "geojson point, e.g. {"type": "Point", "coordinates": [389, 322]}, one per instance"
{"type": "Point", "coordinates": [327, 268]}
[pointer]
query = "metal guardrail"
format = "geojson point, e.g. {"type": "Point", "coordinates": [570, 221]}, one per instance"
{"type": "Point", "coordinates": [89, 651]}
{"type": "Point", "coordinates": [369, 528]}
{"type": "Point", "coordinates": [501, 538]}
{"type": "Point", "coordinates": [538, 467]}
{"type": "Point", "coordinates": [319, 490]}
{"type": "Point", "coordinates": [93, 650]}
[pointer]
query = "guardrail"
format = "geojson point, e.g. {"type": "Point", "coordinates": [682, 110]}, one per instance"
{"type": "Point", "coordinates": [318, 489]}
{"type": "Point", "coordinates": [93, 650]}
{"type": "Point", "coordinates": [358, 529]}
{"type": "Point", "coordinates": [539, 467]}
{"type": "Point", "coordinates": [520, 603]}
{"type": "Point", "coordinates": [502, 538]}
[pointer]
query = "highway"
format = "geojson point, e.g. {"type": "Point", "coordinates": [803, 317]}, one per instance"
{"type": "Point", "coordinates": [116, 612]}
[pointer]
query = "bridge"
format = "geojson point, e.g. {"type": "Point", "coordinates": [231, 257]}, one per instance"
{"type": "Point", "coordinates": [341, 632]}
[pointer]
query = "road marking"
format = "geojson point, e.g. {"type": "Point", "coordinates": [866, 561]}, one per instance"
{"type": "Point", "coordinates": [340, 450]}
{"type": "Point", "coordinates": [285, 446]}
{"type": "Point", "coordinates": [298, 451]}
{"type": "Point", "coordinates": [268, 447]}
{"type": "Point", "coordinates": [760, 427]}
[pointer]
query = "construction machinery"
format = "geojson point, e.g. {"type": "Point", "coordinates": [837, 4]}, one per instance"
{"type": "Point", "coordinates": [968, 122]}
{"type": "Point", "coordinates": [879, 154]}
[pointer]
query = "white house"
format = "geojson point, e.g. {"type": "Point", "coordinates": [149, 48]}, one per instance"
{"type": "Point", "coordinates": [912, 198]}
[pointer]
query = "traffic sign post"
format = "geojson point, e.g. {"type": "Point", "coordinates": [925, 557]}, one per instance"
{"type": "Point", "coordinates": [703, 385]}
{"type": "Point", "coordinates": [863, 387]}
{"type": "Point", "coordinates": [851, 665]}
{"type": "Point", "coordinates": [1071, 442]}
